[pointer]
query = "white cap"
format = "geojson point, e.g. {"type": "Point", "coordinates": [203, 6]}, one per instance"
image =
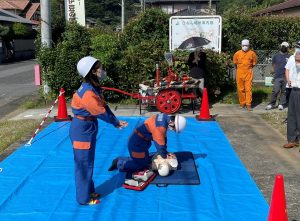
{"type": "Point", "coordinates": [285, 44]}
{"type": "Point", "coordinates": [85, 65]}
{"type": "Point", "coordinates": [245, 42]}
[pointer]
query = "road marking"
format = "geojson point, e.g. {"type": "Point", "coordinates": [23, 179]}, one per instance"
{"type": "Point", "coordinates": [29, 115]}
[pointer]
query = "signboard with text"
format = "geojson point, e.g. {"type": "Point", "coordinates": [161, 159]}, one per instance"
{"type": "Point", "coordinates": [190, 32]}
{"type": "Point", "coordinates": [75, 11]}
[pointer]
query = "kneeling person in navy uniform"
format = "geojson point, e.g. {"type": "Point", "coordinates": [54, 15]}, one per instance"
{"type": "Point", "coordinates": [152, 129]}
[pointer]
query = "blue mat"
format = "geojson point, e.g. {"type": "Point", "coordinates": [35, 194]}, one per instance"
{"type": "Point", "coordinates": [186, 173]}
{"type": "Point", "coordinates": [37, 182]}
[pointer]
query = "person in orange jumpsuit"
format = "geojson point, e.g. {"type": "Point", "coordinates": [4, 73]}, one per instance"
{"type": "Point", "coordinates": [244, 60]}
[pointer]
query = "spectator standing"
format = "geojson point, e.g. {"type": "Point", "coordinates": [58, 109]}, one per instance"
{"type": "Point", "coordinates": [293, 119]}
{"type": "Point", "coordinates": [278, 68]}
{"type": "Point", "coordinates": [244, 60]}
{"type": "Point", "coordinates": [288, 88]}
{"type": "Point", "coordinates": [197, 63]}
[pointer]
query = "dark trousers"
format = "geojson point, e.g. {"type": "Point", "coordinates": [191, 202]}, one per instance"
{"type": "Point", "coordinates": [279, 88]}
{"type": "Point", "coordinates": [139, 155]}
{"type": "Point", "coordinates": [293, 120]}
{"type": "Point", "coordinates": [287, 95]}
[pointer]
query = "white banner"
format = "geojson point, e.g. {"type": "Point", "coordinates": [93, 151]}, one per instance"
{"type": "Point", "coordinates": [189, 32]}
{"type": "Point", "coordinates": [75, 11]}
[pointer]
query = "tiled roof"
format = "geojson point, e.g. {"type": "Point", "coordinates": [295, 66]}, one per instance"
{"type": "Point", "coordinates": [5, 5]}
{"type": "Point", "coordinates": [14, 4]}
{"type": "Point", "coordinates": [10, 17]}
{"type": "Point", "coordinates": [285, 5]}
{"type": "Point", "coordinates": [33, 8]}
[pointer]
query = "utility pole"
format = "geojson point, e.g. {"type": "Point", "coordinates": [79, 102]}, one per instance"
{"type": "Point", "coordinates": [142, 5]}
{"type": "Point", "coordinates": [122, 15]}
{"type": "Point", "coordinates": [209, 7]}
{"type": "Point", "coordinates": [46, 31]}
{"type": "Point", "coordinates": [46, 23]}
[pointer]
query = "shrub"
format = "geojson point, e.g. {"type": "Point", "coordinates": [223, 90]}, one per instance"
{"type": "Point", "coordinates": [264, 33]}
{"type": "Point", "coordinates": [59, 63]}
{"type": "Point", "coordinates": [217, 79]}
{"type": "Point", "coordinates": [20, 30]}
{"type": "Point", "coordinates": [138, 62]}
{"type": "Point", "coordinates": [152, 25]}
{"type": "Point", "coordinates": [105, 47]}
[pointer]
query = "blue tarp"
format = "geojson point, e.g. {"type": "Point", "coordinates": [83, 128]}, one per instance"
{"type": "Point", "coordinates": [37, 182]}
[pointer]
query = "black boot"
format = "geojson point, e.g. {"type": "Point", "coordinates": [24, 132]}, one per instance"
{"type": "Point", "coordinates": [113, 165]}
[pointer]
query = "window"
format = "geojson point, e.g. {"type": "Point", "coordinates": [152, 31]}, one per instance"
{"type": "Point", "coordinates": [167, 8]}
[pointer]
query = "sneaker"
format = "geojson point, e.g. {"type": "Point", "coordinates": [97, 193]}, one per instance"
{"type": "Point", "coordinates": [114, 165]}
{"type": "Point", "coordinates": [249, 108]}
{"type": "Point", "coordinates": [95, 195]}
{"type": "Point", "coordinates": [269, 107]}
{"type": "Point", "coordinates": [242, 106]}
{"type": "Point", "coordinates": [280, 107]}
{"type": "Point", "coordinates": [93, 202]}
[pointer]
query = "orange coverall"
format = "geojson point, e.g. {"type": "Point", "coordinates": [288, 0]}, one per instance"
{"type": "Point", "coordinates": [244, 62]}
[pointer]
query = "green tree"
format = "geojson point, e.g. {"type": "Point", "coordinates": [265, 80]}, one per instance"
{"type": "Point", "coordinates": [4, 30]}
{"type": "Point", "coordinates": [59, 63]}
{"type": "Point", "coordinates": [20, 30]}
{"type": "Point", "coordinates": [58, 22]}
{"type": "Point", "coordinates": [109, 11]}
{"type": "Point", "coordinates": [248, 5]}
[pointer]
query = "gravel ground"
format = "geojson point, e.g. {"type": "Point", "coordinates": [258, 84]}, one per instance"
{"type": "Point", "coordinates": [259, 146]}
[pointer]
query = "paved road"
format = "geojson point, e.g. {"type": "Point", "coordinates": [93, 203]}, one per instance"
{"type": "Point", "coordinates": [16, 83]}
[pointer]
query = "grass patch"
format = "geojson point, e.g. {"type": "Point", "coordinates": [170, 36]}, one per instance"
{"type": "Point", "coordinates": [16, 131]}
{"type": "Point", "coordinates": [276, 120]}
{"type": "Point", "coordinates": [36, 102]}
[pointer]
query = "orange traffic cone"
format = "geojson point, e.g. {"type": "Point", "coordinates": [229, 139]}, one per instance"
{"type": "Point", "coordinates": [278, 210]}
{"type": "Point", "coordinates": [62, 114]}
{"type": "Point", "coordinates": [204, 110]}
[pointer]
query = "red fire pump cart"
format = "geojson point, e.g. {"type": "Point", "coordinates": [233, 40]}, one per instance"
{"type": "Point", "coordinates": [167, 95]}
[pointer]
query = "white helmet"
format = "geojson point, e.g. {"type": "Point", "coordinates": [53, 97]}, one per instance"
{"type": "Point", "coordinates": [85, 65]}
{"type": "Point", "coordinates": [180, 123]}
{"type": "Point", "coordinates": [163, 169]}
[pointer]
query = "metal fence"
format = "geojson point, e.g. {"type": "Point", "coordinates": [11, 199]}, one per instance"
{"type": "Point", "coordinates": [263, 67]}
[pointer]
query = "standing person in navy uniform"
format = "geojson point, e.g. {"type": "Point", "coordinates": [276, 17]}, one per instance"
{"type": "Point", "coordinates": [279, 88]}
{"type": "Point", "coordinates": [88, 105]}
{"type": "Point", "coordinates": [152, 129]}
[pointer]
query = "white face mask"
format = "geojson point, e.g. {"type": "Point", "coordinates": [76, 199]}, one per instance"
{"type": "Point", "coordinates": [245, 48]}
{"type": "Point", "coordinates": [102, 75]}
{"type": "Point", "coordinates": [171, 126]}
